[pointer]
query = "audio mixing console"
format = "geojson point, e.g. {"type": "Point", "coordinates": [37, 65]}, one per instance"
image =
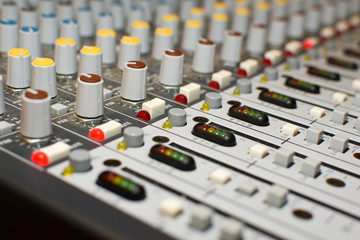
{"type": "Point", "coordinates": [166, 119]}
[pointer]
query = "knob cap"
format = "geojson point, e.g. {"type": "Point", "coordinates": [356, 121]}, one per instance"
{"type": "Point", "coordinates": [80, 160]}
{"type": "Point", "coordinates": [35, 114]}
{"type": "Point", "coordinates": [191, 34]}
{"type": "Point", "coordinates": [140, 30]}
{"type": "Point", "coordinates": [133, 86]}
{"type": "Point", "coordinates": [89, 96]}
{"type": "Point", "coordinates": [8, 35]}
{"type": "Point", "coordinates": [177, 117]}
{"type": "Point", "coordinates": [204, 57]}
{"type": "Point", "coordinates": [130, 49]}
{"type": "Point", "coordinates": [18, 68]}
{"type": "Point", "coordinates": [106, 41]}
{"type": "Point", "coordinates": [163, 40]}
{"type": "Point", "coordinates": [171, 69]}
{"type": "Point", "coordinates": [65, 56]}
{"type": "Point", "coordinates": [90, 60]}
{"type": "Point", "coordinates": [43, 76]}
{"type": "Point", "coordinates": [69, 28]}
{"type": "Point", "coordinates": [133, 137]}
{"type": "Point", "coordinates": [49, 29]}
{"type": "Point", "coordinates": [255, 44]}
{"type": "Point", "coordinates": [231, 49]}
{"type": "Point", "coordinates": [29, 38]}
{"type": "Point", "coordinates": [241, 19]}
{"type": "Point", "coordinates": [86, 22]}
{"type": "Point", "coordinates": [218, 26]}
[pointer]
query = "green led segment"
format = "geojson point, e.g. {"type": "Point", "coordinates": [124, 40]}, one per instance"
{"type": "Point", "coordinates": [299, 82]}
{"type": "Point", "coordinates": [278, 96]}
{"type": "Point", "coordinates": [172, 153]}
{"type": "Point", "coordinates": [342, 63]}
{"type": "Point", "coordinates": [248, 111]}
{"type": "Point", "coordinates": [324, 73]}
{"type": "Point", "coordinates": [121, 182]}
{"type": "Point", "coordinates": [214, 131]}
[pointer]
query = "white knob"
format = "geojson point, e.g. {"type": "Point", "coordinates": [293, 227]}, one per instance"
{"type": "Point", "coordinates": [255, 44]}
{"type": "Point", "coordinates": [129, 51]}
{"type": "Point", "coordinates": [28, 18]}
{"type": "Point", "coordinates": [9, 11]}
{"type": "Point", "coordinates": [29, 38]}
{"type": "Point", "coordinates": [64, 11]}
{"type": "Point", "coordinates": [204, 57]}
{"type": "Point", "coordinates": [49, 29]}
{"type": "Point", "coordinates": [171, 21]}
{"type": "Point", "coordinates": [65, 56]}
{"type": "Point", "coordinates": [163, 39]}
{"type": "Point", "coordinates": [8, 35]}
{"type": "Point", "coordinates": [171, 69]}
{"type": "Point", "coordinates": [105, 20]}
{"type": "Point", "coordinates": [133, 86]}
{"type": "Point", "coordinates": [2, 100]}
{"type": "Point", "coordinates": [241, 19]}
{"type": "Point", "coordinates": [106, 41]}
{"type": "Point", "coordinates": [140, 30]}
{"type": "Point", "coordinates": [18, 68]}
{"type": "Point", "coordinates": [90, 60]}
{"type": "Point", "coordinates": [86, 22]}
{"type": "Point", "coordinates": [117, 11]}
{"type": "Point", "coordinates": [231, 49]}
{"type": "Point", "coordinates": [191, 34]}
{"type": "Point", "coordinates": [69, 28]}
{"type": "Point", "coordinates": [218, 25]}
{"type": "Point", "coordinates": [43, 76]}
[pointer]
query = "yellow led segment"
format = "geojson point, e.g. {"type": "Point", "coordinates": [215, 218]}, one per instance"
{"type": "Point", "coordinates": [205, 107]}
{"type": "Point", "coordinates": [236, 91]}
{"type": "Point", "coordinates": [43, 62]}
{"type": "Point", "coordinates": [140, 24]}
{"type": "Point", "coordinates": [193, 23]}
{"type": "Point", "coordinates": [106, 32]}
{"type": "Point", "coordinates": [65, 41]}
{"type": "Point", "coordinates": [197, 11]}
{"type": "Point", "coordinates": [163, 31]}
{"type": "Point", "coordinates": [243, 11]}
{"type": "Point", "coordinates": [263, 5]}
{"type": "Point", "coordinates": [121, 146]}
{"type": "Point", "coordinates": [130, 40]}
{"type": "Point", "coordinates": [167, 125]}
{"type": "Point", "coordinates": [281, 2]}
{"type": "Point", "coordinates": [171, 17]}
{"type": "Point", "coordinates": [19, 51]}
{"type": "Point", "coordinates": [91, 50]}
{"type": "Point", "coordinates": [241, 1]}
{"type": "Point", "coordinates": [219, 5]}
{"type": "Point", "coordinates": [220, 16]}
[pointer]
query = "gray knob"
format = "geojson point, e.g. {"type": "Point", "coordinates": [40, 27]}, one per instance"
{"type": "Point", "coordinates": [277, 32]}
{"type": "Point", "coordinates": [64, 11]}
{"type": "Point", "coordinates": [141, 30]}
{"type": "Point", "coordinates": [133, 137]}
{"type": "Point", "coordinates": [134, 15]}
{"type": "Point", "coordinates": [241, 19]}
{"type": "Point", "coordinates": [171, 21]}
{"type": "Point", "coordinates": [231, 49]}
{"type": "Point", "coordinates": [46, 7]}
{"type": "Point", "coordinates": [191, 34]}
{"type": "Point", "coordinates": [312, 20]}
{"type": "Point", "coordinates": [244, 85]}
{"type": "Point", "coordinates": [89, 96]}
{"type": "Point", "coordinates": [28, 18]}
{"type": "Point", "coordinates": [35, 114]}
{"type": "Point", "coordinates": [297, 5]}
{"type": "Point", "coordinates": [271, 73]}
{"type": "Point", "coordinates": [328, 14]}
{"type": "Point", "coordinates": [133, 86]}
{"type": "Point", "coordinates": [69, 28]}
{"type": "Point", "coordinates": [185, 8]}
{"type": "Point", "coordinates": [130, 48]}
{"type": "Point", "coordinates": [296, 27]}
{"type": "Point", "coordinates": [90, 60]}
{"type": "Point", "coordinates": [117, 11]}
{"type": "Point", "coordinates": [161, 9]}
{"type": "Point", "coordinates": [9, 11]}
{"type": "Point", "coordinates": [97, 6]}
{"type": "Point", "coordinates": [204, 57]}
{"type": "Point", "coordinates": [262, 13]}
{"type": "Point", "coordinates": [218, 25]}
{"type": "Point", "coordinates": [213, 99]}
{"type": "Point", "coordinates": [43, 76]}
{"type": "Point", "coordinates": [86, 22]}
{"type": "Point", "coordinates": [18, 68]}
{"type": "Point", "coordinates": [2, 100]}
{"type": "Point", "coordinates": [105, 20]}
{"type": "Point", "coordinates": [147, 8]}
{"type": "Point", "coordinates": [342, 10]}
{"type": "Point", "coordinates": [65, 56]}
{"type": "Point", "coordinates": [29, 38]}
{"type": "Point", "coordinates": [255, 44]}
{"type": "Point", "coordinates": [177, 117]}
{"type": "Point", "coordinates": [106, 41]}
{"type": "Point", "coordinates": [163, 40]}
{"type": "Point", "coordinates": [8, 35]}
{"type": "Point", "coordinates": [171, 69]}
{"type": "Point", "coordinates": [280, 9]}
{"type": "Point", "coordinates": [198, 14]}
{"type": "Point", "coordinates": [49, 29]}
{"type": "Point", "coordinates": [80, 160]}
{"type": "Point", "coordinates": [293, 62]}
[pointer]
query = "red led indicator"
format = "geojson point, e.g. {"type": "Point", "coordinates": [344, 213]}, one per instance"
{"type": "Point", "coordinates": [181, 99]}
{"type": "Point", "coordinates": [241, 72]}
{"type": "Point", "coordinates": [308, 44]}
{"type": "Point", "coordinates": [338, 33]}
{"type": "Point", "coordinates": [144, 115]}
{"type": "Point", "coordinates": [97, 134]}
{"type": "Point", "coordinates": [288, 53]}
{"type": "Point", "coordinates": [266, 62]}
{"type": "Point", "coordinates": [40, 158]}
{"type": "Point", "coordinates": [214, 84]}
{"type": "Point", "coordinates": [323, 39]}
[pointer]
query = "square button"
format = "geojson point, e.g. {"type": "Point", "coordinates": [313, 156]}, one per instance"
{"type": "Point", "coordinates": [310, 167]}
{"type": "Point", "coordinates": [154, 107]}
{"type": "Point", "coordinates": [191, 91]}
{"type": "Point", "coordinates": [107, 93]}
{"type": "Point", "coordinates": [223, 77]}
{"type": "Point", "coordinates": [290, 129]}
{"type": "Point", "coordinates": [339, 143]}
{"type": "Point", "coordinates": [277, 196]}
{"type": "Point", "coordinates": [284, 157]}
{"type": "Point", "coordinates": [171, 207]}
{"type": "Point", "coordinates": [258, 150]}
{"type": "Point", "coordinates": [220, 176]}
{"type": "Point", "coordinates": [339, 115]}
{"type": "Point", "coordinates": [317, 112]}
{"type": "Point", "coordinates": [59, 109]}
{"type": "Point", "coordinates": [339, 97]}
{"type": "Point", "coordinates": [247, 188]}
{"type": "Point", "coordinates": [5, 128]}
{"type": "Point", "coordinates": [314, 135]}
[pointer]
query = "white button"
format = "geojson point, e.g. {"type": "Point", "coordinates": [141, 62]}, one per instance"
{"type": "Point", "coordinates": [317, 112]}
{"type": "Point", "coordinates": [310, 167]}
{"type": "Point", "coordinates": [154, 107]}
{"type": "Point", "coordinates": [220, 176]}
{"type": "Point", "coordinates": [250, 66]}
{"type": "Point", "coordinates": [247, 188]}
{"type": "Point", "coordinates": [223, 77]}
{"type": "Point", "coordinates": [59, 109]}
{"type": "Point", "coordinates": [5, 128]}
{"type": "Point", "coordinates": [339, 97]}
{"type": "Point", "coordinates": [171, 207]}
{"type": "Point", "coordinates": [355, 84]}
{"type": "Point", "coordinates": [284, 157]}
{"type": "Point", "coordinates": [105, 131]}
{"type": "Point", "coordinates": [258, 151]}
{"type": "Point", "coordinates": [276, 196]}
{"type": "Point", "coordinates": [50, 154]}
{"type": "Point", "coordinates": [191, 91]}
{"type": "Point", "coordinates": [290, 129]}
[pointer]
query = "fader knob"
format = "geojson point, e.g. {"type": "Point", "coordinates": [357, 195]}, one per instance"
{"type": "Point", "coordinates": [43, 76]}
{"type": "Point", "coordinates": [171, 69]}
{"type": "Point", "coordinates": [177, 117]}
{"type": "Point", "coordinates": [204, 57]}
{"type": "Point", "coordinates": [106, 41]}
{"type": "Point", "coordinates": [86, 22]}
{"type": "Point", "coordinates": [255, 44]}
{"type": "Point", "coordinates": [80, 160]}
{"type": "Point", "coordinates": [130, 49]}
{"type": "Point", "coordinates": [231, 49]}
{"type": "Point", "coordinates": [8, 35]}
{"type": "Point", "coordinates": [18, 68]}
{"type": "Point", "coordinates": [89, 96]}
{"type": "Point", "coordinates": [90, 60]}
{"type": "Point", "coordinates": [49, 29]}
{"type": "Point", "coordinates": [133, 86]}
{"type": "Point", "coordinates": [65, 56]}
{"type": "Point", "coordinates": [191, 34]}
{"type": "Point", "coordinates": [163, 40]}
{"type": "Point", "coordinates": [140, 30]}
{"type": "Point", "coordinates": [35, 114]}
{"type": "Point", "coordinates": [29, 38]}
{"type": "Point", "coordinates": [218, 25]}
{"type": "Point", "coordinates": [69, 28]}
{"type": "Point", "coordinates": [133, 137]}
{"type": "Point", "coordinates": [2, 100]}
